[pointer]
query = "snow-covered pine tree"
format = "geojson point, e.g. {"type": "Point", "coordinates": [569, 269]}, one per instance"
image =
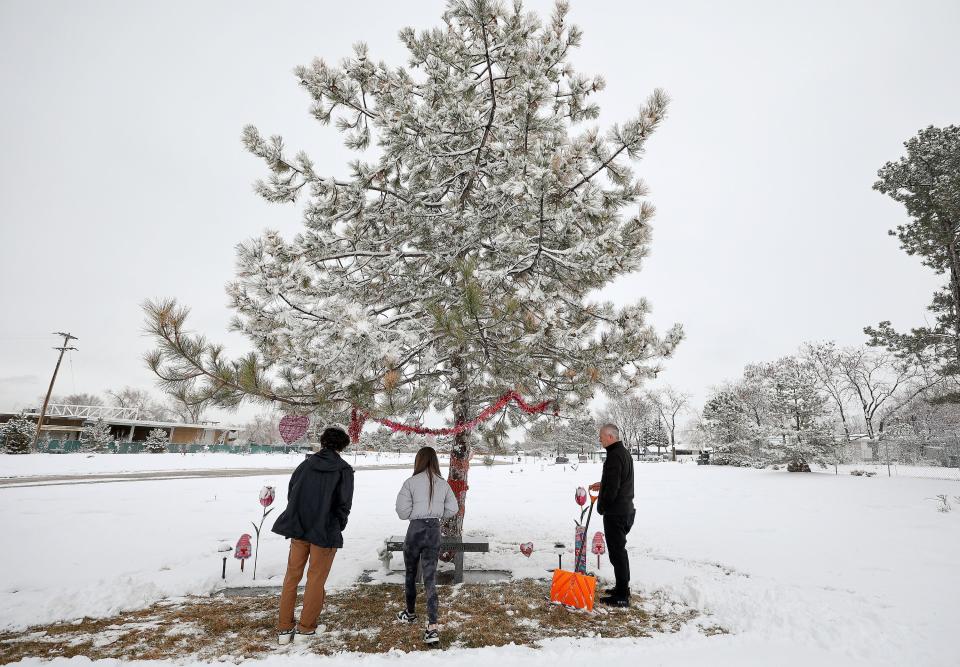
{"type": "Point", "coordinates": [652, 434]}
{"type": "Point", "coordinates": [541, 438]}
{"type": "Point", "coordinates": [927, 182]}
{"type": "Point", "coordinates": [726, 428]}
{"type": "Point", "coordinates": [389, 441]}
{"type": "Point", "coordinates": [798, 408]}
{"type": "Point", "coordinates": [738, 423]}
{"type": "Point", "coordinates": [17, 435]}
{"type": "Point", "coordinates": [657, 435]}
{"type": "Point", "coordinates": [455, 260]}
{"type": "Point", "coordinates": [551, 437]}
{"type": "Point", "coordinates": [157, 441]}
{"type": "Point", "coordinates": [96, 437]}
{"type": "Point", "coordinates": [579, 435]}
{"type": "Point", "coordinates": [378, 441]}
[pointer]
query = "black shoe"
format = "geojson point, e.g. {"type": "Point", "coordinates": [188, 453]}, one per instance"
{"type": "Point", "coordinates": [431, 636]}
{"type": "Point", "coordinates": [613, 601]}
{"type": "Point", "coordinates": [406, 616]}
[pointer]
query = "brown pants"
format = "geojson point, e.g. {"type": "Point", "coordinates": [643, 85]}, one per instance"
{"type": "Point", "coordinates": [321, 558]}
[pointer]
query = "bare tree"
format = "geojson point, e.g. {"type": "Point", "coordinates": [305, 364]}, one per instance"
{"type": "Point", "coordinates": [81, 398]}
{"type": "Point", "coordinates": [630, 413]}
{"type": "Point", "coordinates": [752, 391]}
{"type": "Point", "coordinates": [670, 403]}
{"type": "Point", "coordinates": [881, 384]}
{"type": "Point", "coordinates": [184, 401]}
{"type": "Point", "coordinates": [936, 424]}
{"type": "Point", "coordinates": [262, 429]}
{"type": "Point", "coordinates": [188, 405]}
{"type": "Point", "coordinates": [826, 362]}
{"type": "Point", "coordinates": [147, 405]}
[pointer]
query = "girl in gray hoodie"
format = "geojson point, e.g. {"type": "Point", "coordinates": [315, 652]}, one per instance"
{"type": "Point", "coordinates": [424, 500]}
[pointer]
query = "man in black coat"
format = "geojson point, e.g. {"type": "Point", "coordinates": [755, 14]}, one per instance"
{"type": "Point", "coordinates": [319, 499]}
{"type": "Point", "coordinates": [615, 504]}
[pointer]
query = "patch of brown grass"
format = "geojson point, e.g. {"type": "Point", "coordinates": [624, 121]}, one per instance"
{"type": "Point", "coordinates": [359, 619]}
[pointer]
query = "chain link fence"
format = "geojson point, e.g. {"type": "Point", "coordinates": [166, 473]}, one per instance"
{"type": "Point", "coordinates": [901, 457]}
{"type": "Point", "coordinates": [76, 446]}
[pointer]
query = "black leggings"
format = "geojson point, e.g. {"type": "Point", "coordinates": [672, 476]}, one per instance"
{"type": "Point", "coordinates": [617, 528]}
{"type": "Point", "coordinates": [421, 549]}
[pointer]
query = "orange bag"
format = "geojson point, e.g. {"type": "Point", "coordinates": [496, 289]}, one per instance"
{"type": "Point", "coordinates": [573, 589]}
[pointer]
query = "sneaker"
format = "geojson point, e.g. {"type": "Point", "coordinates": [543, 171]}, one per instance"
{"type": "Point", "coordinates": [285, 637]}
{"type": "Point", "coordinates": [304, 637]}
{"type": "Point", "coordinates": [431, 636]}
{"type": "Point", "coordinates": [613, 601]}
{"type": "Point", "coordinates": [406, 616]}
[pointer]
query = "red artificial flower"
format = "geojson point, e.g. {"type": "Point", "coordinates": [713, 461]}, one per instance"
{"type": "Point", "coordinates": [581, 496]}
{"type": "Point", "coordinates": [267, 494]}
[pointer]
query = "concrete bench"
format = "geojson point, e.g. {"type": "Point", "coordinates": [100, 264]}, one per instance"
{"type": "Point", "coordinates": [457, 545]}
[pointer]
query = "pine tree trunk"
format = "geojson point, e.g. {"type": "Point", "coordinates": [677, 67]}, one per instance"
{"type": "Point", "coordinates": [459, 454]}
{"type": "Point", "coordinates": [954, 255]}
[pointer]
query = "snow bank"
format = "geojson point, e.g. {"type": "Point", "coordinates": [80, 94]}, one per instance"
{"type": "Point", "coordinates": [28, 465]}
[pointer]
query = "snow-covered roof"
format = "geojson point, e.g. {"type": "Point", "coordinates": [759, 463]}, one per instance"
{"type": "Point", "coordinates": [113, 421]}
{"type": "Point", "coordinates": [212, 426]}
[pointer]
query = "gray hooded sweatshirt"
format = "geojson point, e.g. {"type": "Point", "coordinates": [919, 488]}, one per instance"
{"type": "Point", "coordinates": [413, 501]}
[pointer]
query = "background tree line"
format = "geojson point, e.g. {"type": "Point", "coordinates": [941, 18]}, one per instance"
{"type": "Point", "coordinates": [902, 387]}
{"type": "Point", "coordinates": [807, 408]}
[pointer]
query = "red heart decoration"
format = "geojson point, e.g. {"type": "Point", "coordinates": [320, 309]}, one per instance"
{"type": "Point", "coordinates": [598, 545]}
{"type": "Point", "coordinates": [526, 549]}
{"type": "Point", "coordinates": [293, 427]}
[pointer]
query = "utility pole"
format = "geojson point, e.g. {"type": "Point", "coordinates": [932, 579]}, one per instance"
{"type": "Point", "coordinates": [43, 411]}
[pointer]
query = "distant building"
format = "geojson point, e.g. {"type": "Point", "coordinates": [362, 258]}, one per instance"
{"type": "Point", "coordinates": [689, 449]}
{"type": "Point", "coordinates": [66, 422]}
{"type": "Point", "coordinates": [665, 453]}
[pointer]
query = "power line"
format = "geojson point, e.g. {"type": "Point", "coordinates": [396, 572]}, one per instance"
{"type": "Point", "coordinates": [6, 338]}
{"type": "Point", "coordinates": [73, 376]}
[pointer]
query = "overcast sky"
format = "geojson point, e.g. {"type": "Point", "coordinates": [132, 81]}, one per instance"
{"type": "Point", "coordinates": [122, 175]}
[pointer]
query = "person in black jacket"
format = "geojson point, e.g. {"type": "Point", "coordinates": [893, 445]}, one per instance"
{"type": "Point", "coordinates": [615, 504]}
{"type": "Point", "coordinates": [318, 503]}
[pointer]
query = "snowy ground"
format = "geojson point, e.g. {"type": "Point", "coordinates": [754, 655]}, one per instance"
{"type": "Point", "coordinates": [803, 569]}
{"type": "Point", "coordinates": [897, 470]}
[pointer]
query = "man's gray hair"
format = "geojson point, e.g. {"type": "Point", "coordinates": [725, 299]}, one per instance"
{"type": "Point", "coordinates": [611, 430]}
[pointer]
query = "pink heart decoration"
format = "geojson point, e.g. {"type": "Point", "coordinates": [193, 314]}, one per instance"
{"type": "Point", "coordinates": [526, 549]}
{"type": "Point", "coordinates": [293, 427]}
{"type": "Point", "coordinates": [243, 547]}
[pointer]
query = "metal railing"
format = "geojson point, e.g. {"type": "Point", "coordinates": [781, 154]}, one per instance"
{"type": "Point", "coordinates": [92, 411]}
